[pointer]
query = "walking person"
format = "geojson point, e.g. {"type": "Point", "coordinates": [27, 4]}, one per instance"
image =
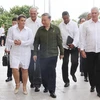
{"type": "Point", "coordinates": [33, 22]}
{"type": "Point", "coordinates": [90, 49]}
{"type": "Point", "coordinates": [69, 32]}
{"type": "Point", "coordinates": [49, 38]}
{"type": "Point", "coordinates": [7, 50]}
{"type": "Point", "coordinates": [3, 37]}
{"type": "Point", "coordinates": [21, 39]}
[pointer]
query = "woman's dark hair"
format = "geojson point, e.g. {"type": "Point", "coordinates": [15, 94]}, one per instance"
{"type": "Point", "coordinates": [21, 16]}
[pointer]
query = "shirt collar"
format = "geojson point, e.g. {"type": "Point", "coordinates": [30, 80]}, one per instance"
{"type": "Point", "coordinates": [51, 26]}
{"type": "Point", "coordinates": [36, 21]}
{"type": "Point", "coordinates": [67, 23]}
{"type": "Point", "coordinates": [91, 21]}
{"type": "Point", "coordinates": [23, 28]}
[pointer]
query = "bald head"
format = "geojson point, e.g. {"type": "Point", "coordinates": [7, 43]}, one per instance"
{"type": "Point", "coordinates": [33, 13]}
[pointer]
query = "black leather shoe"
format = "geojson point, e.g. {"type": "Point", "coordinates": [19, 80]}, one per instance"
{"type": "Point", "coordinates": [98, 94]}
{"type": "Point", "coordinates": [8, 79]}
{"type": "Point", "coordinates": [45, 90]}
{"type": "Point", "coordinates": [53, 95]}
{"type": "Point", "coordinates": [85, 79]}
{"type": "Point", "coordinates": [37, 89]}
{"type": "Point", "coordinates": [74, 78]}
{"type": "Point", "coordinates": [66, 84]}
{"type": "Point", "coordinates": [32, 85]}
{"type": "Point", "coordinates": [92, 89]}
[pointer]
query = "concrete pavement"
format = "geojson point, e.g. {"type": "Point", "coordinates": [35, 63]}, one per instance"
{"type": "Point", "coordinates": [76, 91]}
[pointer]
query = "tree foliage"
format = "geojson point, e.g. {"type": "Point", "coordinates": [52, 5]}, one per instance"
{"type": "Point", "coordinates": [16, 10]}
{"type": "Point", "coordinates": [6, 16]}
{"type": "Point", "coordinates": [83, 15]}
{"type": "Point", "coordinates": [56, 22]}
{"type": "Point", "coordinates": [2, 10]}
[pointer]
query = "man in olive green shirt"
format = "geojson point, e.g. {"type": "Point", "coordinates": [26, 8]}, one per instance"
{"type": "Point", "coordinates": [48, 37]}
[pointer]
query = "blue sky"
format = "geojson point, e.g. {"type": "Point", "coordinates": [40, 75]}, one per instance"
{"type": "Point", "coordinates": [74, 7]}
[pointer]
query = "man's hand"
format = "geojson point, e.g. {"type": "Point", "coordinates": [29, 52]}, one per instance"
{"type": "Point", "coordinates": [7, 51]}
{"type": "Point", "coordinates": [35, 58]}
{"type": "Point", "coordinates": [61, 56]}
{"type": "Point", "coordinates": [71, 46]}
{"type": "Point", "coordinates": [83, 54]}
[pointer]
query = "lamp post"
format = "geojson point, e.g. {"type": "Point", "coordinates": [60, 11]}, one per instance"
{"type": "Point", "coordinates": [34, 3]}
{"type": "Point", "coordinates": [44, 6]}
{"type": "Point", "coordinates": [49, 7]}
{"type": "Point", "coordinates": [93, 3]}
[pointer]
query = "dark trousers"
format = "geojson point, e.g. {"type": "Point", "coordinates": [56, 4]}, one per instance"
{"type": "Point", "coordinates": [20, 75]}
{"type": "Point", "coordinates": [3, 38]}
{"type": "Point", "coordinates": [93, 64]}
{"type": "Point", "coordinates": [31, 67]}
{"type": "Point", "coordinates": [48, 71]}
{"type": "Point", "coordinates": [84, 66]}
{"type": "Point", "coordinates": [81, 67]}
{"type": "Point", "coordinates": [9, 70]}
{"type": "Point", "coordinates": [74, 63]}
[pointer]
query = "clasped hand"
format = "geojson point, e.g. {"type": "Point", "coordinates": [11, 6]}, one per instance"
{"type": "Point", "coordinates": [17, 42]}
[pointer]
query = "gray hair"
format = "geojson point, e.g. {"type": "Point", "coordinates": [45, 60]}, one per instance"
{"type": "Point", "coordinates": [47, 14]}
{"type": "Point", "coordinates": [95, 8]}
{"type": "Point", "coordinates": [35, 8]}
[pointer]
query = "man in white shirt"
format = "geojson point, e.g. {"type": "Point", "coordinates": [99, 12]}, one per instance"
{"type": "Point", "coordinates": [90, 49]}
{"type": "Point", "coordinates": [69, 28]}
{"type": "Point", "coordinates": [81, 21]}
{"type": "Point", "coordinates": [7, 50]}
{"type": "Point", "coordinates": [2, 35]}
{"type": "Point", "coordinates": [33, 22]}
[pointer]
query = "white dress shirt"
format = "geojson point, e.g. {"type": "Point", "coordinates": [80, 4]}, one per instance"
{"type": "Point", "coordinates": [33, 26]}
{"type": "Point", "coordinates": [7, 45]}
{"type": "Point", "coordinates": [80, 34]}
{"type": "Point", "coordinates": [90, 38]}
{"type": "Point", "coordinates": [70, 29]}
{"type": "Point", "coordinates": [20, 54]}
{"type": "Point", "coordinates": [2, 31]}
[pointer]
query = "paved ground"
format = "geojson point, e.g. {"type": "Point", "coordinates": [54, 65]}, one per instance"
{"type": "Point", "coordinates": [76, 91]}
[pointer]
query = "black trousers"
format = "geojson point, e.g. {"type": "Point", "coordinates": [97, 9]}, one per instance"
{"type": "Point", "coordinates": [81, 66]}
{"type": "Point", "coordinates": [3, 38]}
{"type": "Point", "coordinates": [31, 67]}
{"type": "Point", "coordinates": [84, 67]}
{"type": "Point", "coordinates": [9, 70]}
{"type": "Point", "coordinates": [48, 71]}
{"type": "Point", "coordinates": [74, 63]}
{"type": "Point", "coordinates": [93, 64]}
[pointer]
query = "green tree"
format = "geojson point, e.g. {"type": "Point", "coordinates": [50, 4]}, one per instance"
{"type": "Point", "coordinates": [56, 22]}
{"type": "Point", "coordinates": [2, 10]}
{"type": "Point", "coordinates": [16, 10]}
{"type": "Point", "coordinates": [83, 15]}
{"type": "Point", "coordinates": [6, 16]}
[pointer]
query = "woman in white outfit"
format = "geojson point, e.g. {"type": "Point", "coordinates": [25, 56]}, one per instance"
{"type": "Point", "coordinates": [20, 38]}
